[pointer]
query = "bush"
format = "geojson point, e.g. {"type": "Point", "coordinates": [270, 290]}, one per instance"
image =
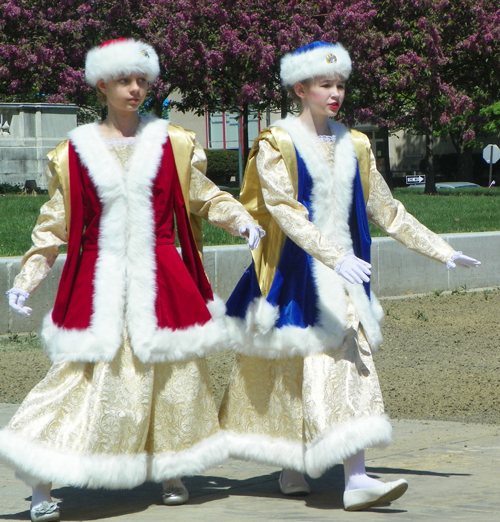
{"type": "Point", "coordinates": [7, 188]}
{"type": "Point", "coordinates": [223, 167]}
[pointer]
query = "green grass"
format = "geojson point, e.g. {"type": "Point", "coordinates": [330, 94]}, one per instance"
{"type": "Point", "coordinates": [467, 210]}
{"type": "Point", "coordinates": [452, 211]}
{"type": "Point", "coordinates": [19, 342]}
{"type": "Point", "coordinates": [18, 215]}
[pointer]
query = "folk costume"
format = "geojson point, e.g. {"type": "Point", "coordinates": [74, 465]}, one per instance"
{"type": "Point", "coordinates": [128, 398]}
{"type": "Point", "coordinates": [304, 393]}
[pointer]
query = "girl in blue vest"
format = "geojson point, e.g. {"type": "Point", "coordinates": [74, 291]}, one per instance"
{"type": "Point", "coordinates": [304, 394]}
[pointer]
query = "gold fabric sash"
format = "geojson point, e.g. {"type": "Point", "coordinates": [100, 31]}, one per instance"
{"type": "Point", "coordinates": [59, 169]}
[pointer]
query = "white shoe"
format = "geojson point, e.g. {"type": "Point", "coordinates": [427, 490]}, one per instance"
{"type": "Point", "coordinates": [45, 512]}
{"type": "Point", "coordinates": [175, 495]}
{"type": "Point", "coordinates": [356, 499]}
{"type": "Point", "coordinates": [294, 489]}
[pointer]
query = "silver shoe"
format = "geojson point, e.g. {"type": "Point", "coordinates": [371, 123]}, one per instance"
{"type": "Point", "coordinates": [294, 489]}
{"type": "Point", "coordinates": [175, 495]}
{"type": "Point", "coordinates": [45, 512]}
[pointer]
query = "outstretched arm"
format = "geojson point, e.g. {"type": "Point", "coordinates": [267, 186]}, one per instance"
{"type": "Point", "coordinates": [217, 206]}
{"type": "Point", "coordinates": [49, 233]}
{"type": "Point", "coordinates": [391, 216]}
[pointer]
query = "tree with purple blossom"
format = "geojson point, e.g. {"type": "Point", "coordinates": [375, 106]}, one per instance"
{"type": "Point", "coordinates": [423, 66]}
{"type": "Point", "coordinates": [438, 65]}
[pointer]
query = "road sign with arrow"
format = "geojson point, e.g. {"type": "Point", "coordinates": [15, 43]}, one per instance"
{"type": "Point", "coordinates": [415, 179]}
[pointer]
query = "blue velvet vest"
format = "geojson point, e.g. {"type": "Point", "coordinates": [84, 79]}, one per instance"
{"type": "Point", "coordinates": [294, 288]}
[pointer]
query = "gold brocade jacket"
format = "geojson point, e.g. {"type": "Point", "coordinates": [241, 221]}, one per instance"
{"type": "Point", "coordinates": [202, 198]}
{"type": "Point", "coordinates": [383, 210]}
{"type": "Point", "coordinates": [270, 194]}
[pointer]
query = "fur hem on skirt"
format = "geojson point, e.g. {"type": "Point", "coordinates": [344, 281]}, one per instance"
{"type": "Point", "coordinates": [316, 457]}
{"type": "Point", "coordinates": [345, 440]}
{"type": "Point", "coordinates": [37, 463]}
{"type": "Point", "coordinates": [274, 451]}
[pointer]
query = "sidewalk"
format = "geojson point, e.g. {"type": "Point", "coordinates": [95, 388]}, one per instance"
{"type": "Point", "coordinates": [452, 469]}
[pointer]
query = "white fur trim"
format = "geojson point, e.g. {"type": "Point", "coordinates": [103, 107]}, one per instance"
{"type": "Point", "coordinates": [313, 63]}
{"type": "Point", "coordinates": [121, 57]}
{"type": "Point", "coordinates": [331, 202]}
{"type": "Point", "coordinates": [126, 265]}
{"type": "Point", "coordinates": [266, 450]}
{"type": "Point", "coordinates": [332, 447]}
{"type": "Point", "coordinates": [35, 463]}
{"type": "Point", "coordinates": [251, 337]}
{"type": "Point", "coordinates": [206, 454]}
{"type": "Point", "coordinates": [345, 440]}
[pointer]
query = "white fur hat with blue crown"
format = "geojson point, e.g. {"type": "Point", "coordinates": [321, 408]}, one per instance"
{"type": "Point", "coordinates": [123, 56]}
{"type": "Point", "coordinates": [313, 61]}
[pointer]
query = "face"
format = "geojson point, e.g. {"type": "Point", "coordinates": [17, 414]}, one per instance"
{"type": "Point", "coordinates": [322, 96]}
{"type": "Point", "coordinates": [125, 93]}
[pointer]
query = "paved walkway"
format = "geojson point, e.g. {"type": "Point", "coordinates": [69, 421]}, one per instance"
{"type": "Point", "coordinates": [452, 468]}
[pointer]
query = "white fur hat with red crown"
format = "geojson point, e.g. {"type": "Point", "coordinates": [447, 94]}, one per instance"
{"type": "Point", "coordinates": [313, 61]}
{"type": "Point", "coordinates": [123, 56]}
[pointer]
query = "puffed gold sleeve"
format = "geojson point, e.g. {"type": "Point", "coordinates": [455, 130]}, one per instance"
{"type": "Point", "coordinates": [49, 234]}
{"type": "Point", "coordinates": [207, 201]}
{"type": "Point", "coordinates": [391, 216]}
{"type": "Point", "coordinates": [290, 215]}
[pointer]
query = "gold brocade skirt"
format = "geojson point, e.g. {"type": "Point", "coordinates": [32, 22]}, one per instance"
{"type": "Point", "coordinates": [306, 413]}
{"type": "Point", "coordinates": [119, 423]}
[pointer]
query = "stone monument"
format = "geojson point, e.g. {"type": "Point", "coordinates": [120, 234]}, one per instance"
{"type": "Point", "coordinates": [27, 132]}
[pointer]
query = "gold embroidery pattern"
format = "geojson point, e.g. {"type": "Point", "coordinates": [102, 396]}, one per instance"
{"type": "Point", "coordinates": [122, 407]}
{"type": "Point", "coordinates": [300, 398]}
{"type": "Point", "coordinates": [216, 206]}
{"type": "Point", "coordinates": [122, 149]}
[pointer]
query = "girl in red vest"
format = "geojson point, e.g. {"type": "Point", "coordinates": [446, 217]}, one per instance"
{"type": "Point", "coordinates": [128, 398]}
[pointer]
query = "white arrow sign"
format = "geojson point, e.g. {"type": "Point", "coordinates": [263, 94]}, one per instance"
{"type": "Point", "coordinates": [491, 153]}
{"type": "Point", "coordinates": [414, 179]}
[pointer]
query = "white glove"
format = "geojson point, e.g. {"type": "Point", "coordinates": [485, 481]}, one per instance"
{"type": "Point", "coordinates": [353, 269]}
{"type": "Point", "coordinates": [253, 234]}
{"type": "Point", "coordinates": [17, 298]}
{"type": "Point", "coordinates": [458, 259]}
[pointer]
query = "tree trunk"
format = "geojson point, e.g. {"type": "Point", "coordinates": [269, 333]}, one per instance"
{"type": "Point", "coordinates": [284, 103]}
{"type": "Point", "coordinates": [246, 147]}
{"type": "Point", "coordinates": [465, 164]}
{"type": "Point", "coordinates": [387, 160]}
{"type": "Point", "coordinates": [430, 184]}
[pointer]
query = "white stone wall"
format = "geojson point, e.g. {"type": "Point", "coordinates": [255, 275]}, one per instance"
{"type": "Point", "coordinates": [33, 130]}
{"type": "Point", "coordinates": [396, 272]}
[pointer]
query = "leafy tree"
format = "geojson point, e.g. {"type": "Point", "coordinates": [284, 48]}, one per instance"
{"type": "Point", "coordinates": [437, 66]}
{"type": "Point", "coordinates": [43, 46]}
{"type": "Point", "coordinates": [420, 65]}
{"type": "Point", "coordinates": [492, 115]}
{"type": "Point", "coordinates": [224, 55]}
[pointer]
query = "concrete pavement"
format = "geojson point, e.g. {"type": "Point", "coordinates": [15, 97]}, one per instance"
{"type": "Point", "coordinates": [452, 469]}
